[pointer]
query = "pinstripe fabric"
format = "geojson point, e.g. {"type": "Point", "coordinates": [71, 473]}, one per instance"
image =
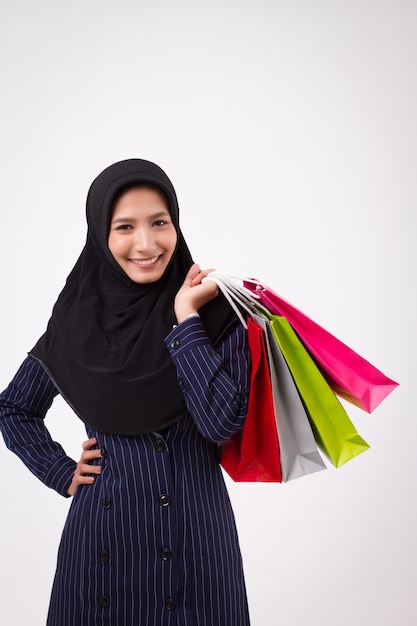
{"type": "Point", "coordinates": [153, 542]}
{"type": "Point", "coordinates": [22, 408]}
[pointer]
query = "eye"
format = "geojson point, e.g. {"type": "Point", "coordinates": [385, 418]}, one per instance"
{"type": "Point", "coordinates": [124, 227]}
{"type": "Point", "coordinates": [160, 223]}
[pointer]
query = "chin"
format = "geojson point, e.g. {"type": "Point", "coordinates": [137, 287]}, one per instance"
{"type": "Point", "coordinates": [145, 278]}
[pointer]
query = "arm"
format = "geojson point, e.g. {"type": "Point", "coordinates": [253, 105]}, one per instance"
{"type": "Point", "coordinates": [214, 381]}
{"type": "Point", "coordinates": [23, 406]}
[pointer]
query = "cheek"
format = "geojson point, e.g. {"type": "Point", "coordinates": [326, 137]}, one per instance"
{"type": "Point", "coordinates": [115, 245]}
{"type": "Point", "coordinates": [167, 239]}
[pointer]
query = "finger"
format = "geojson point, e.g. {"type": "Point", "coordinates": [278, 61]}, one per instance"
{"type": "Point", "coordinates": [89, 443]}
{"type": "Point", "coordinates": [200, 276]}
{"type": "Point", "coordinates": [89, 455]}
{"type": "Point", "coordinates": [193, 272]}
{"type": "Point", "coordinates": [84, 480]}
{"type": "Point", "coordinates": [204, 274]}
{"type": "Point", "coordinates": [84, 469]}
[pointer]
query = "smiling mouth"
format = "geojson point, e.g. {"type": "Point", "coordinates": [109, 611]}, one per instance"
{"type": "Point", "coordinates": [144, 262]}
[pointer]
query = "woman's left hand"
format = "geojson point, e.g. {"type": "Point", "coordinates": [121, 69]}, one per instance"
{"type": "Point", "coordinates": [83, 471]}
{"type": "Point", "coordinates": [193, 294]}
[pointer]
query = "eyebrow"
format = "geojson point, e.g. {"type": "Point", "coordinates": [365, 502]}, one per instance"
{"type": "Point", "coordinates": [132, 219]}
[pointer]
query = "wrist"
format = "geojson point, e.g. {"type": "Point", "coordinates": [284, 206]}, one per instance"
{"type": "Point", "coordinates": [183, 312]}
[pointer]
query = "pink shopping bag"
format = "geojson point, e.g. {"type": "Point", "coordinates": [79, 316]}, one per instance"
{"type": "Point", "coordinates": [349, 375]}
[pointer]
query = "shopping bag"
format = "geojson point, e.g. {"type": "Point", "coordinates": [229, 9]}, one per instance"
{"type": "Point", "coordinates": [333, 430]}
{"type": "Point", "coordinates": [252, 454]}
{"type": "Point", "coordinates": [298, 449]}
{"type": "Point", "coordinates": [350, 375]}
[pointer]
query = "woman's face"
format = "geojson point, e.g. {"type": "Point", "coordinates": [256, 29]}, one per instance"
{"type": "Point", "coordinates": [142, 236]}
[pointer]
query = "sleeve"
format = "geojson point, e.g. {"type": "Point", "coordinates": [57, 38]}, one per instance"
{"type": "Point", "coordinates": [214, 381]}
{"type": "Point", "coordinates": [23, 406]}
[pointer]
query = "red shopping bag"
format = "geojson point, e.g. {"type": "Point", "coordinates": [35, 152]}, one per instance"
{"type": "Point", "coordinates": [349, 375]}
{"type": "Point", "coordinates": [252, 454]}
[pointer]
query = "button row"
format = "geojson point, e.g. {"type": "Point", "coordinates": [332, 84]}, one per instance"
{"type": "Point", "coordinates": [164, 500]}
{"type": "Point", "coordinates": [165, 554]}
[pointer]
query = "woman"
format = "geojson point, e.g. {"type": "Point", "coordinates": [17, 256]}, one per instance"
{"type": "Point", "coordinates": [156, 365]}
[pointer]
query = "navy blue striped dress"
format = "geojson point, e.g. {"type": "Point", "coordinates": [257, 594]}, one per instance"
{"type": "Point", "coordinates": [153, 541]}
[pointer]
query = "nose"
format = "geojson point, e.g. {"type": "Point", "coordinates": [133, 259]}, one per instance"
{"type": "Point", "coordinates": [144, 239]}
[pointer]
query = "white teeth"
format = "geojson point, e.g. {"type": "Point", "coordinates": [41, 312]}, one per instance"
{"type": "Point", "coordinates": [145, 261]}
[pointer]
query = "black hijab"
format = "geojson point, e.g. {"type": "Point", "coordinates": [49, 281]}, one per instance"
{"type": "Point", "coordinates": [104, 345]}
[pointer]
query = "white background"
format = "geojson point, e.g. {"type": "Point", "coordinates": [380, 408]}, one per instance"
{"type": "Point", "coordinates": [288, 129]}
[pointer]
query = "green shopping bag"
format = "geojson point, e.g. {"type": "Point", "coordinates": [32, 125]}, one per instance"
{"type": "Point", "coordinates": [333, 430]}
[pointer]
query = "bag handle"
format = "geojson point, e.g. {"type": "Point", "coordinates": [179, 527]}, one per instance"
{"type": "Point", "coordinates": [235, 292]}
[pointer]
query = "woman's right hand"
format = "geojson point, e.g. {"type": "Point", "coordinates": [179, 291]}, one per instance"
{"type": "Point", "coordinates": [84, 469]}
{"type": "Point", "coordinates": [194, 293]}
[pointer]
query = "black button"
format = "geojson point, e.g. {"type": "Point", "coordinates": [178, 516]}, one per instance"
{"type": "Point", "coordinates": [106, 503]}
{"type": "Point", "coordinates": [165, 554]}
{"type": "Point", "coordinates": [164, 499]}
{"type": "Point", "coordinates": [104, 601]}
{"type": "Point", "coordinates": [104, 556]}
{"type": "Point", "coordinates": [175, 343]}
{"type": "Point", "coordinates": [103, 453]}
{"type": "Point", "coordinates": [159, 445]}
{"type": "Point", "coordinates": [170, 604]}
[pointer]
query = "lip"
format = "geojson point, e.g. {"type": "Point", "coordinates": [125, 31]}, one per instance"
{"type": "Point", "coordinates": [145, 264]}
